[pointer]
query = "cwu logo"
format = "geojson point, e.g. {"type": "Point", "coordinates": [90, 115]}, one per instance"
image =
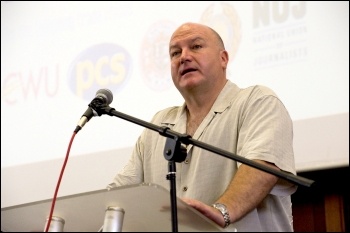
{"type": "Point", "coordinates": [101, 66]}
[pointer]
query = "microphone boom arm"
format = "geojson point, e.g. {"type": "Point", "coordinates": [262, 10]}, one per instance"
{"type": "Point", "coordinates": [186, 139]}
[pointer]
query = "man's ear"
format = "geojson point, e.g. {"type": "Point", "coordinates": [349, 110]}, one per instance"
{"type": "Point", "coordinates": [224, 58]}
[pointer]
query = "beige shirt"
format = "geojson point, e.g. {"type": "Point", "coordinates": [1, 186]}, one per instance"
{"type": "Point", "coordinates": [252, 123]}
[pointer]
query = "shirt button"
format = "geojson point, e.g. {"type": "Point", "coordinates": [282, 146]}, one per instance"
{"type": "Point", "coordinates": [187, 161]}
{"type": "Point", "coordinates": [184, 189]}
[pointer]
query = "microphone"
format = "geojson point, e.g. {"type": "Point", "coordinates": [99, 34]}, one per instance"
{"type": "Point", "coordinates": [103, 97]}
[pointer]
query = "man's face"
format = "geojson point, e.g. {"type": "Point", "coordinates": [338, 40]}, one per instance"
{"type": "Point", "coordinates": [196, 57]}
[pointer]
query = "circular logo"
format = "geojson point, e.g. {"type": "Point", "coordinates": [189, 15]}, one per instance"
{"type": "Point", "coordinates": [155, 61]}
{"type": "Point", "coordinates": [223, 18]}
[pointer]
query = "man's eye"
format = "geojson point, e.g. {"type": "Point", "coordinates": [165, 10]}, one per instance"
{"type": "Point", "coordinates": [173, 54]}
{"type": "Point", "coordinates": [197, 46]}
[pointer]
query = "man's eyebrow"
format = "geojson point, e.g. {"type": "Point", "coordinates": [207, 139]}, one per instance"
{"type": "Point", "coordinates": [192, 40]}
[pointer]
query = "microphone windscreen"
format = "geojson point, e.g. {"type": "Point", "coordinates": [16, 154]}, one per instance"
{"type": "Point", "coordinates": [106, 94]}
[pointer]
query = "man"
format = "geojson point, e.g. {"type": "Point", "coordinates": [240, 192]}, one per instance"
{"type": "Point", "coordinates": [250, 122]}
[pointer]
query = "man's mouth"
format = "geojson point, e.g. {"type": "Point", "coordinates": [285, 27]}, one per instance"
{"type": "Point", "coordinates": [187, 71]}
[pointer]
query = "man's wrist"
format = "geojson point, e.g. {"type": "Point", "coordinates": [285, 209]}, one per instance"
{"type": "Point", "coordinates": [223, 210]}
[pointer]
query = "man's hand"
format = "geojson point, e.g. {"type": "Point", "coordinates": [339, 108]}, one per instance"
{"type": "Point", "coordinates": [208, 211]}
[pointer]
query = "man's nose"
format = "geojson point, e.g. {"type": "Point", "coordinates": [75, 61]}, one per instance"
{"type": "Point", "coordinates": [185, 56]}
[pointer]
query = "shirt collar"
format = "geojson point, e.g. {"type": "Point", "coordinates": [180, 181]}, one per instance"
{"type": "Point", "coordinates": [223, 101]}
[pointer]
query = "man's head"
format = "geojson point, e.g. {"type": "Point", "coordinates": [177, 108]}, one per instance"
{"type": "Point", "coordinates": [198, 58]}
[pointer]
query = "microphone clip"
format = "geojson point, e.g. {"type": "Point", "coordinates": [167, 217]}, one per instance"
{"type": "Point", "coordinates": [97, 105]}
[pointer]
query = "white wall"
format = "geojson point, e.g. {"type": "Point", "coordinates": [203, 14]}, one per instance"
{"type": "Point", "coordinates": [56, 55]}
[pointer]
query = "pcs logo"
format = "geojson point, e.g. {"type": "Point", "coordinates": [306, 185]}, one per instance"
{"type": "Point", "coordinates": [100, 66]}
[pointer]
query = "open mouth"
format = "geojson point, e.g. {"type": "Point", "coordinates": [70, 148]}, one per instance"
{"type": "Point", "coordinates": [187, 71]}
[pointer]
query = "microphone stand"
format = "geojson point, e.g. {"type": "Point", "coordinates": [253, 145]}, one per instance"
{"type": "Point", "coordinates": [175, 152]}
